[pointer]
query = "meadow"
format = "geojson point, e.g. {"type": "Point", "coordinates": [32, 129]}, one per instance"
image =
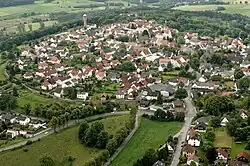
{"type": "Point", "coordinates": [243, 9]}
{"type": "Point", "coordinates": [60, 146]}
{"type": "Point", "coordinates": [150, 134]}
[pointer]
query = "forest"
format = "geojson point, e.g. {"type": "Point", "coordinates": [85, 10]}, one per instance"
{"type": "Point", "coordinates": [6, 3]}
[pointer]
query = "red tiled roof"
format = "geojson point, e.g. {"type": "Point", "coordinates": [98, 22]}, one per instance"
{"type": "Point", "coordinates": [222, 152]}
{"type": "Point", "coordinates": [243, 155]}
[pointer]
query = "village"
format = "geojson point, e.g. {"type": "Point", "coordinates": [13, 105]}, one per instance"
{"type": "Point", "coordinates": [145, 62]}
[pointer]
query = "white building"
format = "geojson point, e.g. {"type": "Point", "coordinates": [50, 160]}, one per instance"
{"type": "Point", "coordinates": [82, 96]}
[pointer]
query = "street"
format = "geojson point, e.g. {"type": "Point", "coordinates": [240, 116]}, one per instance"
{"type": "Point", "coordinates": [70, 123]}
{"type": "Point", "coordinates": [191, 112]}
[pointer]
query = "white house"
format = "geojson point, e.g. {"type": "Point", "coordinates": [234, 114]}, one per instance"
{"type": "Point", "coordinates": [82, 96]}
{"type": "Point", "coordinates": [120, 94]}
{"type": "Point", "coordinates": [221, 154]}
{"type": "Point", "coordinates": [14, 133]}
{"type": "Point", "coordinates": [21, 120]}
{"type": "Point", "coordinates": [46, 85]}
{"type": "Point", "coordinates": [224, 122]}
{"type": "Point", "coordinates": [58, 92]}
{"type": "Point", "coordinates": [28, 75]}
{"type": "Point", "coordinates": [243, 114]}
{"type": "Point", "coordinates": [193, 138]}
{"type": "Point", "coordinates": [202, 79]}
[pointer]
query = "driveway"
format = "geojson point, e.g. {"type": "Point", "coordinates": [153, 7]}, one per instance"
{"type": "Point", "coordinates": [191, 113]}
{"type": "Point", "coordinates": [70, 123]}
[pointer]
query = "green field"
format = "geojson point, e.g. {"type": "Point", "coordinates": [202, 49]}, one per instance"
{"type": "Point", "coordinates": [60, 146]}
{"type": "Point", "coordinates": [2, 68]}
{"type": "Point", "coordinates": [26, 97]}
{"type": "Point", "coordinates": [223, 140]}
{"type": "Point", "coordinates": [232, 8]}
{"type": "Point", "coordinates": [150, 134]}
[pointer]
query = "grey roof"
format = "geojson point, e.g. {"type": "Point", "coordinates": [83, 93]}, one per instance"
{"type": "Point", "coordinates": [7, 116]}
{"type": "Point", "coordinates": [114, 75]}
{"type": "Point", "coordinates": [203, 120]}
{"type": "Point", "coordinates": [20, 118]}
{"type": "Point", "coordinates": [162, 87]}
{"type": "Point", "coordinates": [159, 163]}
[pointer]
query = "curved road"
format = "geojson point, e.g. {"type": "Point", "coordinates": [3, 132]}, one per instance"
{"type": "Point", "coordinates": [70, 123]}
{"type": "Point", "coordinates": [191, 113]}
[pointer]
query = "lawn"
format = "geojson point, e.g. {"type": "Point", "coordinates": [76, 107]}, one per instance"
{"type": "Point", "coordinates": [27, 97]}
{"type": "Point", "coordinates": [150, 134]}
{"type": "Point", "coordinates": [170, 74]}
{"type": "Point", "coordinates": [2, 68]}
{"type": "Point", "coordinates": [232, 8]}
{"type": "Point", "coordinates": [222, 139]}
{"type": "Point", "coordinates": [59, 146]}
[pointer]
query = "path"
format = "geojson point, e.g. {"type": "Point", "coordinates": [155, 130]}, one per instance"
{"type": "Point", "coordinates": [128, 138]}
{"type": "Point", "coordinates": [70, 124]}
{"type": "Point", "coordinates": [191, 113]}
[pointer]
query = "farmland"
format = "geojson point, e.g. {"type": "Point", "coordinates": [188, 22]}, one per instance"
{"type": "Point", "coordinates": [231, 9]}
{"type": "Point", "coordinates": [60, 146]}
{"type": "Point", "coordinates": [144, 138]}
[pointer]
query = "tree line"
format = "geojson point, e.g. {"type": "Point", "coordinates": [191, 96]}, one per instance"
{"type": "Point", "coordinates": [4, 3]}
{"type": "Point", "coordinates": [95, 136]}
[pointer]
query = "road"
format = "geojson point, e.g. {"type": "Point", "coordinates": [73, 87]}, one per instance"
{"type": "Point", "coordinates": [128, 138]}
{"type": "Point", "coordinates": [70, 123]}
{"type": "Point", "coordinates": [191, 112]}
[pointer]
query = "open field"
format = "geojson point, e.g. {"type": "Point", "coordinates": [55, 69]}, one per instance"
{"type": "Point", "coordinates": [60, 146]}
{"type": "Point", "coordinates": [26, 97]}
{"type": "Point", "coordinates": [232, 8]}
{"type": "Point", "coordinates": [223, 140]}
{"type": "Point", "coordinates": [150, 134]}
{"type": "Point", "coordinates": [2, 68]}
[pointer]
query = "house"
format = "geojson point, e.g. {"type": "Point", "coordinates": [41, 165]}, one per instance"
{"type": "Point", "coordinates": [82, 95]}
{"type": "Point", "coordinates": [170, 148]}
{"type": "Point", "coordinates": [193, 138]}
{"type": "Point", "coordinates": [7, 117]}
{"type": "Point", "coordinates": [22, 120]}
{"type": "Point", "coordinates": [203, 119]}
{"type": "Point", "coordinates": [114, 76]}
{"type": "Point", "coordinates": [46, 85]}
{"type": "Point", "coordinates": [177, 81]}
{"type": "Point", "coordinates": [243, 156]}
{"type": "Point", "coordinates": [100, 75]}
{"type": "Point", "coordinates": [148, 94]}
{"type": "Point", "coordinates": [159, 163]}
{"type": "Point", "coordinates": [243, 114]}
{"type": "Point", "coordinates": [202, 79]}
{"type": "Point", "coordinates": [58, 92]}
{"type": "Point", "coordinates": [36, 124]}
{"type": "Point", "coordinates": [188, 150]}
{"type": "Point", "coordinates": [234, 163]}
{"type": "Point", "coordinates": [203, 85]}
{"type": "Point", "coordinates": [42, 65]}
{"type": "Point", "coordinates": [192, 159]}
{"type": "Point", "coordinates": [120, 94]}
{"type": "Point", "coordinates": [200, 127]}
{"type": "Point", "coordinates": [104, 97]}
{"type": "Point", "coordinates": [54, 60]}
{"type": "Point", "coordinates": [224, 122]}
{"type": "Point", "coordinates": [222, 155]}
{"type": "Point", "coordinates": [178, 104]}
{"type": "Point", "coordinates": [165, 90]}
{"type": "Point", "coordinates": [14, 133]}
{"type": "Point", "coordinates": [144, 104]}
{"type": "Point", "coordinates": [28, 75]}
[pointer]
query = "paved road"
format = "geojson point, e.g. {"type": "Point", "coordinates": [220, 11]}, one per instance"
{"type": "Point", "coordinates": [191, 112]}
{"type": "Point", "coordinates": [117, 152]}
{"type": "Point", "coordinates": [70, 123]}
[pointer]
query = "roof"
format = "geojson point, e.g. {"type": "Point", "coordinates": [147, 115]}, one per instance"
{"type": "Point", "coordinates": [192, 134]}
{"type": "Point", "coordinates": [234, 163]}
{"type": "Point", "coordinates": [222, 152]}
{"type": "Point", "coordinates": [162, 87]}
{"type": "Point", "coordinates": [100, 74]}
{"type": "Point", "coordinates": [164, 60]}
{"type": "Point", "coordinates": [243, 155]}
{"type": "Point", "coordinates": [203, 120]}
{"type": "Point", "coordinates": [159, 163]}
{"type": "Point", "coordinates": [20, 118]}
{"type": "Point", "coordinates": [189, 149]}
{"type": "Point", "coordinates": [58, 90]}
{"type": "Point", "coordinates": [45, 83]}
{"type": "Point", "coordinates": [178, 103]}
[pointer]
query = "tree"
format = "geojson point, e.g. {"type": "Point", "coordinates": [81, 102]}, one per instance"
{"type": "Point", "coordinates": [54, 123]}
{"type": "Point", "coordinates": [238, 74]}
{"type": "Point", "coordinates": [210, 135]}
{"type": "Point", "coordinates": [102, 140]}
{"type": "Point", "coordinates": [160, 114]}
{"type": "Point", "coordinates": [192, 163]}
{"type": "Point", "coordinates": [30, 27]}
{"type": "Point", "coordinates": [180, 40]}
{"type": "Point", "coordinates": [27, 108]}
{"type": "Point", "coordinates": [248, 145]}
{"type": "Point", "coordinates": [46, 161]}
{"type": "Point", "coordinates": [91, 134]}
{"type": "Point", "coordinates": [112, 145]}
{"type": "Point", "coordinates": [244, 83]}
{"type": "Point", "coordinates": [82, 129]}
{"type": "Point", "coordinates": [159, 99]}
{"type": "Point", "coordinates": [15, 92]}
{"type": "Point", "coordinates": [7, 102]}
{"type": "Point", "coordinates": [145, 33]}
{"type": "Point", "coordinates": [231, 127]}
{"type": "Point", "coordinates": [149, 158]}
{"type": "Point", "coordinates": [163, 153]}
{"type": "Point", "coordinates": [215, 121]}
{"type": "Point", "coordinates": [181, 93]}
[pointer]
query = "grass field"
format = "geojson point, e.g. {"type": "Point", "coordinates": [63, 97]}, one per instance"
{"type": "Point", "coordinates": [168, 75]}
{"type": "Point", "coordinates": [150, 134]}
{"type": "Point", "coordinates": [60, 146]}
{"type": "Point", "coordinates": [232, 8]}
{"type": "Point", "coordinates": [26, 97]}
{"type": "Point", "coordinates": [2, 68]}
{"type": "Point", "coordinates": [222, 139]}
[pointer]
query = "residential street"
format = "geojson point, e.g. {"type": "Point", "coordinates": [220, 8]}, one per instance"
{"type": "Point", "coordinates": [191, 112]}
{"type": "Point", "coordinates": [51, 131]}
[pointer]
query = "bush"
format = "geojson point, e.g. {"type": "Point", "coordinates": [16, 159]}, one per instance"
{"type": "Point", "coordinates": [29, 142]}
{"type": "Point", "coordinates": [25, 150]}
